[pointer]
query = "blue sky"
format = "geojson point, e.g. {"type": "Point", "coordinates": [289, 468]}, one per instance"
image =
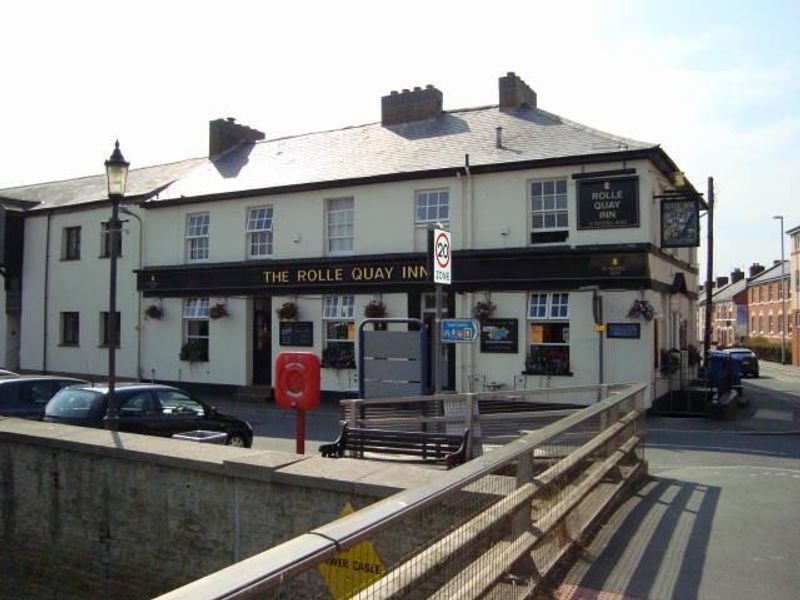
{"type": "Point", "coordinates": [715, 83]}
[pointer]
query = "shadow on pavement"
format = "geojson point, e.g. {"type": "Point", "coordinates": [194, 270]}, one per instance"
{"type": "Point", "coordinates": [633, 556]}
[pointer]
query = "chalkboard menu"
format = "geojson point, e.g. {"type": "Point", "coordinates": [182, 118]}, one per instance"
{"type": "Point", "coordinates": [296, 333]}
{"type": "Point", "coordinates": [629, 331]}
{"type": "Point", "coordinates": [499, 335]}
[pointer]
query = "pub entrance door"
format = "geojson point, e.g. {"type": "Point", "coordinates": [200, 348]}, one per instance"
{"type": "Point", "coordinates": [428, 306]}
{"type": "Point", "coordinates": [262, 340]}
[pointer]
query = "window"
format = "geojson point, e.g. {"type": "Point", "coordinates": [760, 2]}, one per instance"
{"type": "Point", "coordinates": [106, 331]}
{"type": "Point", "coordinates": [761, 323]}
{"type": "Point", "coordinates": [433, 206]}
{"type": "Point", "coordinates": [195, 330]}
{"type": "Point", "coordinates": [769, 321]}
{"type": "Point", "coordinates": [753, 325]}
{"type": "Point", "coordinates": [780, 290]}
{"type": "Point", "coordinates": [105, 241]}
{"type": "Point", "coordinates": [548, 334]}
{"type": "Point", "coordinates": [139, 404]}
{"type": "Point", "coordinates": [70, 329]}
{"type": "Point", "coordinates": [549, 215]}
{"type": "Point", "coordinates": [71, 243]}
{"type": "Point", "coordinates": [338, 316]}
{"type": "Point", "coordinates": [197, 237]}
{"type": "Point", "coordinates": [177, 403]}
{"type": "Point", "coordinates": [259, 232]}
{"type": "Point", "coordinates": [769, 291]}
{"type": "Point", "coordinates": [341, 219]}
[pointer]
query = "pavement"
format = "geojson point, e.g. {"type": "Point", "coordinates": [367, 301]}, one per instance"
{"type": "Point", "coordinates": [719, 518]}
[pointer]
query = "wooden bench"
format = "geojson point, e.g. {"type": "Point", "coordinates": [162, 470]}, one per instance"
{"type": "Point", "coordinates": [440, 447]}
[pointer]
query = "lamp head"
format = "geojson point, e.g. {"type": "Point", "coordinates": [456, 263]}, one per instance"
{"type": "Point", "coordinates": [116, 172]}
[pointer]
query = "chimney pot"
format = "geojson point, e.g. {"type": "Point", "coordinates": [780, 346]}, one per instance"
{"type": "Point", "coordinates": [410, 106]}
{"type": "Point", "coordinates": [737, 275]}
{"type": "Point", "coordinates": [754, 270]}
{"type": "Point", "coordinates": [224, 134]}
{"type": "Point", "coordinates": [722, 281]}
{"type": "Point", "coordinates": [515, 93]}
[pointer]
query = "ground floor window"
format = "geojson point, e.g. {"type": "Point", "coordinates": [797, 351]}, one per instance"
{"type": "Point", "coordinates": [70, 328]}
{"type": "Point", "coordinates": [195, 330]}
{"type": "Point", "coordinates": [109, 334]}
{"type": "Point", "coordinates": [339, 345]}
{"type": "Point", "coordinates": [548, 334]}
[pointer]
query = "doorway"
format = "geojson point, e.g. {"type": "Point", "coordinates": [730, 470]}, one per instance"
{"type": "Point", "coordinates": [262, 340]}
{"type": "Point", "coordinates": [428, 310]}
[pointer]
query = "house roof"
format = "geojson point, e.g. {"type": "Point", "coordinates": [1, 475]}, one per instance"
{"type": "Point", "coordinates": [771, 273]}
{"type": "Point", "coordinates": [84, 190]}
{"type": "Point", "coordinates": [726, 293]}
{"type": "Point", "coordinates": [360, 154]}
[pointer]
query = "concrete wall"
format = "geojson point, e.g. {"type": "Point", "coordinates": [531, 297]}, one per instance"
{"type": "Point", "coordinates": [87, 515]}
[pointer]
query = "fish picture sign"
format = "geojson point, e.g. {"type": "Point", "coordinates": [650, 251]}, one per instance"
{"type": "Point", "coordinates": [500, 335]}
{"type": "Point", "coordinates": [608, 203]}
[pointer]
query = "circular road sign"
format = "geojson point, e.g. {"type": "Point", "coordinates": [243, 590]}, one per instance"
{"type": "Point", "coordinates": [442, 247]}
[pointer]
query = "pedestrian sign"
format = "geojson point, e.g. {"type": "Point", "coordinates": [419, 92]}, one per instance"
{"type": "Point", "coordinates": [460, 330]}
{"type": "Point", "coordinates": [348, 572]}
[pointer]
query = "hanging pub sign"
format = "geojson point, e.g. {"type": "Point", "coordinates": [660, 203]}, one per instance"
{"type": "Point", "coordinates": [608, 203]}
{"type": "Point", "coordinates": [680, 223]}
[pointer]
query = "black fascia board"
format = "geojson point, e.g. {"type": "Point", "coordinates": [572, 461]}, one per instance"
{"type": "Point", "coordinates": [655, 154]}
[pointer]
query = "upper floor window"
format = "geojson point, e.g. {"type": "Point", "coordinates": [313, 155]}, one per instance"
{"type": "Point", "coordinates": [71, 243]}
{"type": "Point", "coordinates": [769, 291]}
{"type": "Point", "coordinates": [549, 214]}
{"type": "Point", "coordinates": [432, 206]}
{"type": "Point", "coordinates": [70, 329]}
{"type": "Point", "coordinates": [340, 224]}
{"type": "Point", "coordinates": [259, 232]}
{"type": "Point", "coordinates": [105, 241]}
{"type": "Point", "coordinates": [197, 236]}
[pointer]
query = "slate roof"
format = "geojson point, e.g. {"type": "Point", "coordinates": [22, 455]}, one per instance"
{"type": "Point", "coordinates": [727, 293]}
{"type": "Point", "coordinates": [374, 150]}
{"type": "Point", "coordinates": [354, 153]}
{"type": "Point", "coordinates": [771, 273]}
{"type": "Point", "coordinates": [84, 190]}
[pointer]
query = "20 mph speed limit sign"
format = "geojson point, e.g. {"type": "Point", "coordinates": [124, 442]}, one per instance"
{"type": "Point", "coordinates": [442, 260]}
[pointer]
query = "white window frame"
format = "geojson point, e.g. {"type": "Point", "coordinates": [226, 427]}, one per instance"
{"type": "Point", "coordinates": [543, 210]}
{"type": "Point", "coordinates": [338, 311]}
{"type": "Point", "coordinates": [336, 219]}
{"type": "Point", "coordinates": [260, 220]}
{"type": "Point", "coordinates": [197, 236]}
{"type": "Point", "coordinates": [195, 310]}
{"type": "Point", "coordinates": [436, 201]}
{"type": "Point", "coordinates": [548, 308]}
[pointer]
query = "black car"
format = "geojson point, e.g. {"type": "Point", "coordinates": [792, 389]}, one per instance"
{"type": "Point", "coordinates": [26, 396]}
{"type": "Point", "coordinates": [747, 358]}
{"type": "Point", "coordinates": [147, 409]}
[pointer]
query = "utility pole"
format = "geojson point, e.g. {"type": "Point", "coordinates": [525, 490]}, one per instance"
{"type": "Point", "coordinates": [709, 273]}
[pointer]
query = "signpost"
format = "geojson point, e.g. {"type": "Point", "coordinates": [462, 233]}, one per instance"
{"type": "Point", "coordinates": [441, 270]}
{"type": "Point", "coordinates": [456, 331]}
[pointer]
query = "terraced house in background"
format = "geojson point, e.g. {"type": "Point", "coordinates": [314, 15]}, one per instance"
{"type": "Point", "coordinates": [577, 245]}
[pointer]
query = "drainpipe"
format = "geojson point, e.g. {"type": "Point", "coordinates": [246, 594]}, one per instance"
{"type": "Point", "coordinates": [46, 292]}
{"type": "Point", "coordinates": [139, 297]}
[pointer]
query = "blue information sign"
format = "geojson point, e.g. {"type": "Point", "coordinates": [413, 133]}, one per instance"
{"type": "Point", "coordinates": [460, 330]}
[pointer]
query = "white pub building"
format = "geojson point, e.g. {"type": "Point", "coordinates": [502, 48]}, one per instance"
{"type": "Point", "coordinates": [577, 246]}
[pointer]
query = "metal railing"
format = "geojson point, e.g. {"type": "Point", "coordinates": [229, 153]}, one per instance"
{"type": "Point", "coordinates": [494, 526]}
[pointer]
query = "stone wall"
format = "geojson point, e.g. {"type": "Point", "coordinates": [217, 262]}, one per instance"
{"type": "Point", "coordinates": [87, 514]}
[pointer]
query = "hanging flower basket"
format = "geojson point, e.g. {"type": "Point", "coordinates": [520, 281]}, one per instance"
{"type": "Point", "coordinates": [483, 310]}
{"type": "Point", "coordinates": [642, 309]}
{"type": "Point", "coordinates": [287, 311]}
{"type": "Point", "coordinates": [154, 311]}
{"type": "Point", "coordinates": [218, 311]}
{"type": "Point", "coordinates": [375, 309]}
{"type": "Point", "coordinates": [194, 351]}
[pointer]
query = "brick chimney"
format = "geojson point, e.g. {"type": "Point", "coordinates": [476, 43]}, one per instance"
{"type": "Point", "coordinates": [754, 270]}
{"type": "Point", "coordinates": [722, 281]}
{"type": "Point", "coordinates": [224, 134]}
{"type": "Point", "coordinates": [737, 275]}
{"type": "Point", "coordinates": [515, 93]}
{"type": "Point", "coordinates": [411, 105]}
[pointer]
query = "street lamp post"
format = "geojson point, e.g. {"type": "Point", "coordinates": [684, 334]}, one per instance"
{"type": "Point", "coordinates": [117, 176]}
{"type": "Point", "coordinates": [783, 296]}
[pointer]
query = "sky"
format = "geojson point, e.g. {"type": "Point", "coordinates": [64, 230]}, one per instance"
{"type": "Point", "coordinates": [715, 83]}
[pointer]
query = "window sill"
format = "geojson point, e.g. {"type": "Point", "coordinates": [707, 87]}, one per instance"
{"type": "Point", "coordinates": [191, 362]}
{"type": "Point", "coordinates": [116, 346]}
{"type": "Point", "coordinates": [543, 374]}
{"type": "Point", "coordinates": [102, 256]}
{"type": "Point", "coordinates": [66, 345]}
{"type": "Point", "coordinates": [69, 259]}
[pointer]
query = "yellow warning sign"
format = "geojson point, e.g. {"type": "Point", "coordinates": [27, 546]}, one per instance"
{"type": "Point", "coordinates": [348, 572]}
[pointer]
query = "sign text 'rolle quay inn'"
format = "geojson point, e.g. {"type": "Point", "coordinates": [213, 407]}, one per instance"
{"type": "Point", "coordinates": [347, 274]}
{"type": "Point", "coordinates": [608, 204]}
